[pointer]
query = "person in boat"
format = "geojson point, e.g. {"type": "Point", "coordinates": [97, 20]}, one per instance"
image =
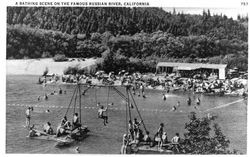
{"type": "Point", "coordinates": [176, 142]}
{"type": "Point", "coordinates": [156, 139]}
{"type": "Point", "coordinates": [126, 146]}
{"type": "Point", "coordinates": [176, 139]}
{"type": "Point", "coordinates": [136, 125]}
{"type": "Point", "coordinates": [76, 123]}
{"type": "Point", "coordinates": [28, 116]}
{"type": "Point", "coordinates": [48, 129]}
{"type": "Point", "coordinates": [139, 136]}
{"type": "Point", "coordinates": [33, 132]}
{"type": "Point", "coordinates": [63, 127]}
{"type": "Point", "coordinates": [146, 137]}
{"type": "Point", "coordinates": [60, 130]}
{"type": "Point", "coordinates": [65, 122]}
{"type": "Point", "coordinates": [131, 129]}
{"type": "Point", "coordinates": [189, 101]}
{"type": "Point", "coordinates": [164, 139]}
{"type": "Point", "coordinates": [101, 114]}
{"type": "Point", "coordinates": [160, 133]}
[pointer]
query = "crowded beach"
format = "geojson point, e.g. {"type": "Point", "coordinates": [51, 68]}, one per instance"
{"type": "Point", "coordinates": [207, 82]}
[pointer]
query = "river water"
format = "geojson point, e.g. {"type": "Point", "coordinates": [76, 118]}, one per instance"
{"type": "Point", "coordinates": [22, 91]}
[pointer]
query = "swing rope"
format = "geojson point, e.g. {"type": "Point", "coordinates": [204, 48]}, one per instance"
{"type": "Point", "coordinates": [129, 110]}
{"type": "Point", "coordinates": [80, 113]}
{"type": "Point", "coordinates": [126, 120]}
{"type": "Point", "coordinates": [95, 97]}
{"type": "Point", "coordinates": [70, 102]}
{"type": "Point", "coordinates": [75, 100]}
{"type": "Point", "coordinates": [108, 100]}
{"type": "Point", "coordinates": [137, 110]}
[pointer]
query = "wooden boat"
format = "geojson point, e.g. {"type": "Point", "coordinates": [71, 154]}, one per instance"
{"type": "Point", "coordinates": [68, 138]}
{"type": "Point", "coordinates": [146, 149]}
{"type": "Point", "coordinates": [131, 146]}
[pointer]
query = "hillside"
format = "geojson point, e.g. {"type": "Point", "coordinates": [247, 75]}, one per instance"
{"type": "Point", "coordinates": [123, 21]}
{"type": "Point", "coordinates": [125, 37]}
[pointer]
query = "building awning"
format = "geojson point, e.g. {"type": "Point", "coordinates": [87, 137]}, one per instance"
{"type": "Point", "coordinates": [191, 65]}
{"type": "Point", "coordinates": [185, 68]}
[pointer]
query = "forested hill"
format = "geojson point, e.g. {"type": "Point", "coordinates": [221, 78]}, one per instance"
{"type": "Point", "coordinates": [126, 37]}
{"type": "Point", "coordinates": [125, 21]}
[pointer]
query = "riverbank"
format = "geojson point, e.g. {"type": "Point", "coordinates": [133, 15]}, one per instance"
{"type": "Point", "coordinates": [37, 66]}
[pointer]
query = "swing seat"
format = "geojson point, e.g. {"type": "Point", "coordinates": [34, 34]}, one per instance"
{"type": "Point", "coordinates": [100, 116]}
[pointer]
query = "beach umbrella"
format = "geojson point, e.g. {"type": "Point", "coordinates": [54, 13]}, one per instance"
{"type": "Point", "coordinates": [99, 72]}
{"type": "Point", "coordinates": [111, 73]}
{"type": "Point", "coordinates": [171, 75]}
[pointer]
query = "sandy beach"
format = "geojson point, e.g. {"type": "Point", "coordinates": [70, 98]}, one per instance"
{"type": "Point", "coordinates": [37, 66]}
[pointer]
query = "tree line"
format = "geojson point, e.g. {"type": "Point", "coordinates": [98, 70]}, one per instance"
{"type": "Point", "coordinates": [127, 21]}
{"type": "Point", "coordinates": [132, 46]}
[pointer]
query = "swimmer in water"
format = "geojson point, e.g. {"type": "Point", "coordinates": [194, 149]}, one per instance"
{"type": "Point", "coordinates": [174, 108]}
{"type": "Point", "coordinates": [164, 97]}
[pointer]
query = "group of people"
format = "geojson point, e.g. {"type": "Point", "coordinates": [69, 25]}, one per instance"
{"type": "Point", "coordinates": [65, 127]}
{"type": "Point", "coordinates": [189, 102]}
{"type": "Point", "coordinates": [135, 136]}
{"type": "Point", "coordinates": [46, 96]}
{"type": "Point", "coordinates": [162, 139]}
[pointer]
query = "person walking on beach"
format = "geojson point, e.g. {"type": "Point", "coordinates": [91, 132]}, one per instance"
{"type": "Point", "coordinates": [28, 114]}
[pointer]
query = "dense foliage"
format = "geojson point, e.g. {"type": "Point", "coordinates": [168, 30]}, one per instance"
{"type": "Point", "coordinates": [126, 38]}
{"type": "Point", "coordinates": [200, 140]}
{"type": "Point", "coordinates": [60, 58]}
{"type": "Point", "coordinates": [82, 20]}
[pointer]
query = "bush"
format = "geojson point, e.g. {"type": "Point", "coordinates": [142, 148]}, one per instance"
{"type": "Point", "coordinates": [78, 70]}
{"type": "Point", "coordinates": [60, 58]}
{"type": "Point", "coordinates": [71, 70]}
{"type": "Point", "coordinates": [199, 140]}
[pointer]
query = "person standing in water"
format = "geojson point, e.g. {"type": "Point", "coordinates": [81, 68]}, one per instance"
{"type": "Point", "coordinates": [198, 101]}
{"type": "Point", "coordinates": [189, 101]}
{"type": "Point", "coordinates": [164, 97]}
{"type": "Point", "coordinates": [28, 116]}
